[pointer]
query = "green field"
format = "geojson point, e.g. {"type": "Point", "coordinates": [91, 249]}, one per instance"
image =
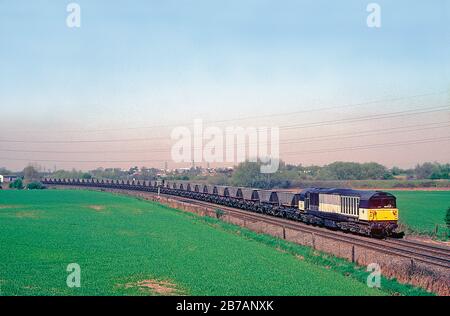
{"type": "Point", "coordinates": [422, 210]}
{"type": "Point", "coordinates": [125, 246]}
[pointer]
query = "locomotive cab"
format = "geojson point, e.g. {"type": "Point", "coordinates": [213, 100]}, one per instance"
{"type": "Point", "coordinates": [381, 206]}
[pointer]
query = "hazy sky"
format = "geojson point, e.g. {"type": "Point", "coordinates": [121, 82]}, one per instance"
{"type": "Point", "coordinates": [136, 65]}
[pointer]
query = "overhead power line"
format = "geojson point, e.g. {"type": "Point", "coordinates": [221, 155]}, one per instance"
{"type": "Point", "coordinates": [374, 132]}
{"type": "Point", "coordinates": [370, 117]}
{"type": "Point", "coordinates": [330, 150]}
{"type": "Point", "coordinates": [310, 110]}
{"type": "Point", "coordinates": [286, 142]}
{"type": "Point", "coordinates": [372, 146]}
{"type": "Point", "coordinates": [364, 118]}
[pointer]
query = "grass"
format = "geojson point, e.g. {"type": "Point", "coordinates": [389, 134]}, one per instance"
{"type": "Point", "coordinates": [420, 211]}
{"type": "Point", "coordinates": [125, 246]}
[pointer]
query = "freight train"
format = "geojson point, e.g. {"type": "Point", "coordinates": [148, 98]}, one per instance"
{"type": "Point", "coordinates": [370, 213]}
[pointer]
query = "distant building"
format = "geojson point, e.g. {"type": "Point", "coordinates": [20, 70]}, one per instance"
{"type": "Point", "coordinates": [7, 178]}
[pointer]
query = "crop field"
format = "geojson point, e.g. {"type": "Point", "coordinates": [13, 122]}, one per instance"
{"type": "Point", "coordinates": [422, 210]}
{"type": "Point", "coordinates": [125, 246]}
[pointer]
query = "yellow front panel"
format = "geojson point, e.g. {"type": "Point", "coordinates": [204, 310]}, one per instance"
{"type": "Point", "coordinates": [374, 215]}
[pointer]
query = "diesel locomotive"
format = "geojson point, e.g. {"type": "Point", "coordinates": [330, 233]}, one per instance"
{"type": "Point", "coordinates": [370, 213]}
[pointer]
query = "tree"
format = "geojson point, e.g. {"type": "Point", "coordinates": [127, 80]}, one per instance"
{"type": "Point", "coordinates": [30, 174]}
{"type": "Point", "coordinates": [86, 175]}
{"type": "Point", "coordinates": [248, 174]}
{"type": "Point", "coordinates": [133, 170]}
{"type": "Point", "coordinates": [425, 170]}
{"type": "Point", "coordinates": [373, 170]}
{"type": "Point", "coordinates": [149, 173]}
{"type": "Point", "coordinates": [311, 171]}
{"type": "Point", "coordinates": [341, 171]}
{"type": "Point", "coordinates": [440, 171]}
{"type": "Point", "coordinates": [17, 184]}
{"type": "Point", "coordinates": [396, 171]}
{"type": "Point", "coordinates": [35, 186]}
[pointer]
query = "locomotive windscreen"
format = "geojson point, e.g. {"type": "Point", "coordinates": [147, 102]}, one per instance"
{"type": "Point", "coordinates": [382, 202]}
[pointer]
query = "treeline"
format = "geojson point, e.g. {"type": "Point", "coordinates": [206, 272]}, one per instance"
{"type": "Point", "coordinates": [374, 171]}
{"type": "Point", "coordinates": [4, 171]}
{"type": "Point", "coordinates": [248, 173]}
{"type": "Point", "coordinates": [108, 173]}
{"type": "Point", "coordinates": [427, 170]}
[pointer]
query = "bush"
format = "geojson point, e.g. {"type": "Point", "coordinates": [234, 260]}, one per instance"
{"type": "Point", "coordinates": [17, 184]}
{"type": "Point", "coordinates": [447, 219]}
{"type": "Point", "coordinates": [86, 176]}
{"type": "Point", "coordinates": [35, 186]}
{"type": "Point", "coordinates": [219, 213]}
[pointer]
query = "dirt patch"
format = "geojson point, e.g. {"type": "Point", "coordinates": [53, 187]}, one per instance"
{"type": "Point", "coordinates": [156, 286]}
{"type": "Point", "coordinates": [4, 206]}
{"type": "Point", "coordinates": [27, 214]}
{"type": "Point", "coordinates": [127, 233]}
{"type": "Point", "coordinates": [97, 208]}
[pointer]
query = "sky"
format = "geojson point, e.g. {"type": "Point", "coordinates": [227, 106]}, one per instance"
{"type": "Point", "coordinates": [109, 94]}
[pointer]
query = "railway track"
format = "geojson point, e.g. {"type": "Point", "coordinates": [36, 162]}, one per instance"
{"type": "Point", "coordinates": [433, 249]}
{"type": "Point", "coordinates": [421, 252]}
